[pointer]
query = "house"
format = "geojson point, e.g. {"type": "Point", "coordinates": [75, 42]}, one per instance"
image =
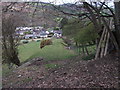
{"type": "Point", "coordinates": [28, 36]}
{"type": "Point", "coordinates": [40, 34]}
{"type": "Point", "coordinates": [21, 32]}
{"type": "Point", "coordinates": [57, 33]}
{"type": "Point", "coordinates": [44, 34]}
{"type": "Point", "coordinates": [35, 32]}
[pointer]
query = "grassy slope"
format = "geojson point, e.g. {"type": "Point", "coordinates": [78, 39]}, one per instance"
{"type": "Point", "coordinates": [51, 52]}
{"type": "Point", "coordinates": [91, 49]}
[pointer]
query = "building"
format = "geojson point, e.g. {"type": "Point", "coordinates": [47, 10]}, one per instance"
{"type": "Point", "coordinates": [36, 32]}
{"type": "Point", "coordinates": [57, 33]}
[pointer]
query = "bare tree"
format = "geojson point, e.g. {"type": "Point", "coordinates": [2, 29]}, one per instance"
{"type": "Point", "coordinates": [11, 18]}
{"type": "Point", "coordinates": [96, 13]}
{"type": "Point", "coordinates": [9, 41]}
{"type": "Point", "coordinates": [117, 21]}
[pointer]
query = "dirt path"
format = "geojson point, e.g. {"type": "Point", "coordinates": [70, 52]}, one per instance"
{"type": "Point", "coordinates": [73, 73]}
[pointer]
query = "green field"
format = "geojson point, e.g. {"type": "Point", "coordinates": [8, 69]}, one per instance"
{"type": "Point", "coordinates": [56, 51]}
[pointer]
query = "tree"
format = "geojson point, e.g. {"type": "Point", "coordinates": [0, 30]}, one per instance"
{"type": "Point", "coordinates": [100, 14]}
{"type": "Point", "coordinates": [9, 41]}
{"type": "Point", "coordinates": [117, 22]}
{"type": "Point", "coordinates": [63, 22]}
{"type": "Point", "coordinates": [71, 27]}
{"type": "Point", "coordinates": [85, 36]}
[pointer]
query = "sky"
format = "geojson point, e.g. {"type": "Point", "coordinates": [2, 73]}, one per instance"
{"type": "Point", "coordinates": [60, 1]}
{"type": "Point", "coordinates": [57, 2]}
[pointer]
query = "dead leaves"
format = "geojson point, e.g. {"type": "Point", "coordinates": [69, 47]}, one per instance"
{"type": "Point", "coordinates": [102, 73]}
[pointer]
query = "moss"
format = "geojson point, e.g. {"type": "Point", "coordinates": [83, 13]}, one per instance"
{"type": "Point", "coordinates": [49, 66]}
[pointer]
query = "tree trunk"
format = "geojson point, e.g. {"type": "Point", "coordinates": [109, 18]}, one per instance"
{"type": "Point", "coordinates": [117, 22]}
{"type": "Point", "coordinates": [78, 46]}
{"type": "Point", "coordinates": [86, 50]}
{"type": "Point", "coordinates": [83, 50]}
{"type": "Point", "coordinates": [106, 46]}
{"type": "Point", "coordinates": [100, 42]}
{"type": "Point", "coordinates": [103, 44]}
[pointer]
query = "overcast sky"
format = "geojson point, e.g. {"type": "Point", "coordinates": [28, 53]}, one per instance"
{"type": "Point", "coordinates": [72, 1]}
{"type": "Point", "coordinates": [57, 2]}
{"type": "Point", "coordinates": [60, 1]}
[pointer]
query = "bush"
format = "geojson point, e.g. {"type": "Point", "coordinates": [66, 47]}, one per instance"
{"type": "Point", "coordinates": [45, 42]}
{"type": "Point", "coordinates": [56, 28]}
{"type": "Point", "coordinates": [28, 32]}
{"type": "Point", "coordinates": [25, 41]}
{"type": "Point", "coordinates": [38, 40]}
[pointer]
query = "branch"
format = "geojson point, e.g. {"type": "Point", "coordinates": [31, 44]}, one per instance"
{"type": "Point", "coordinates": [5, 9]}
{"type": "Point", "coordinates": [93, 16]}
{"type": "Point", "coordinates": [108, 8]}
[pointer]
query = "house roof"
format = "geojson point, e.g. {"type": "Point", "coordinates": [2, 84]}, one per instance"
{"type": "Point", "coordinates": [28, 35]}
{"type": "Point", "coordinates": [57, 31]}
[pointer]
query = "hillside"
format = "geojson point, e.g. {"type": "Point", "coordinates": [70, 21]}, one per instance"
{"type": "Point", "coordinates": [66, 61]}
{"type": "Point", "coordinates": [72, 73]}
{"type": "Point", "coordinates": [44, 13]}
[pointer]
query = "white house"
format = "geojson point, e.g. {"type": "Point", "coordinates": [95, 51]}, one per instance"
{"type": "Point", "coordinates": [29, 36]}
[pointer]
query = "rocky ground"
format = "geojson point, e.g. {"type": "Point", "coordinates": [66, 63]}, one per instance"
{"type": "Point", "coordinates": [73, 73]}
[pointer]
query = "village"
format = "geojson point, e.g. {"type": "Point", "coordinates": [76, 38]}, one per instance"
{"type": "Point", "coordinates": [68, 45]}
{"type": "Point", "coordinates": [37, 32]}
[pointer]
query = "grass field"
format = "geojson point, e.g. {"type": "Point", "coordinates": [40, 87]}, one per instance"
{"type": "Point", "coordinates": [56, 51]}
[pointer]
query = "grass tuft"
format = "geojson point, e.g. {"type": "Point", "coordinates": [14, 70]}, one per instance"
{"type": "Point", "coordinates": [50, 66]}
{"type": "Point", "coordinates": [89, 57]}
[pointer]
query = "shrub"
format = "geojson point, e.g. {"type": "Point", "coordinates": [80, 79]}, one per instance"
{"type": "Point", "coordinates": [25, 41]}
{"type": "Point", "coordinates": [28, 32]}
{"type": "Point", "coordinates": [45, 42]}
{"type": "Point", "coordinates": [38, 40]}
{"type": "Point", "coordinates": [56, 28]}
